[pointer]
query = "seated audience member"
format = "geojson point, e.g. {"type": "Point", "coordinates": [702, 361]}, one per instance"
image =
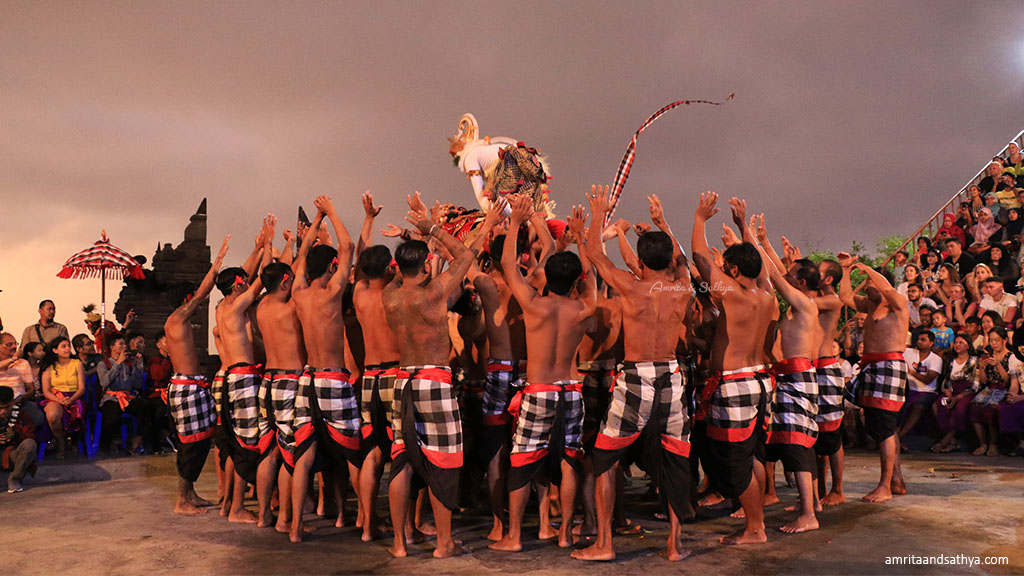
{"type": "Point", "coordinates": [959, 383]}
{"type": "Point", "coordinates": [965, 220]}
{"type": "Point", "coordinates": [949, 230]}
{"type": "Point", "coordinates": [955, 307]}
{"type": "Point", "coordinates": [948, 277]}
{"type": "Point", "coordinates": [158, 376]}
{"type": "Point", "coordinates": [963, 261]}
{"type": "Point", "coordinates": [1004, 267]}
{"type": "Point", "coordinates": [1009, 236]}
{"type": "Point", "coordinates": [924, 246]}
{"type": "Point", "coordinates": [995, 300]}
{"type": "Point", "coordinates": [983, 231]}
{"type": "Point", "coordinates": [923, 369]}
{"type": "Point", "coordinates": [1011, 415]}
{"type": "Point", "coordinates": [17, 441]}
{"type": "Point", "coordinates": [16, 374]}
{"type": "Point", "coordinates": [63, 388]}
{"type": "Point", "coordinates": [916, 302]}
{"type": "Point", "coordinates": [991, 181]}
{"type": "Point", "coordinates": [975, 335]}
{"type": "Point", "coordinates": [998, 371]}
{"type": "Point", "coordinates": [975, 283]}
{"type": "Point", "coordinates": [933, 261]}
{"type": "Point", "coordinates": [943, 334]}
{"type": "Point", "coordinates": [122, 378]}
{"type": "Point", "coordinates": [911, 275]}
{"type": "Point", "coordinates": [33, 353]}
{"type": "Point", "coordinates": [85, 349]}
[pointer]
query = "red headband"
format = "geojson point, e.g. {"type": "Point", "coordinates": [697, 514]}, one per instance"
{"type": "Point", "coordinates": [285, 278]}
{"type": "Point", "coordinates": [335, 261]}
{"type": "Point", "coordinates": [190, 296]}
{"type": "Point", "coordinates": [239, 280]}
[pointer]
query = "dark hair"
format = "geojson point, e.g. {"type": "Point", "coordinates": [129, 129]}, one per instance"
{"type": "Point", "coordinates": [410, 256]}
{"type": "Point", "coordinates": [834, 271]}
{"type": "Point", "coordinates": [807, 272]}
{"type": "Point", "coordinates": [927, 241]}
{"type": "Point", "coordinates": [745, 257]}
{"type": "Point", "coordinates": [954, 239]}
{"type": "Point", "coordinates": [51, 352]}
{"type": "Point", "coordinates": [273, 275]}
{"type": "Point", "coordinates": [996, 318]}
{"type": "Point", "coordinates": [562, 270]}
{"type": "Point", "coordinates": [498, 246]}
{"type": "Point", "coordinates": [226, 279]}
{"type": "Point", "coordinates": [998, 330]}
{"type": "Point", "coordinates": [112, 339]}
{"type": "Point", "coordinates": [319, 260]}
{"type": "Point", "coordinates": [904, 252]}
{"type": "Point", "coordinates": [467, 304]}
{"type": "Point", "coordinates": [973, 320]}
{"type": "Point", "coordinates": [927, 333]}
{"type": "Point", "coordinates": [939, 311]}
{"type": "Point", "coordinates": [967, 340]}
{"type": "Point", "coordinates": [132, 336]}
{"type": "Point", "coordinates": [45, 302]}
{"type": "Point", "coordinates": [80, 340]}
{"type": "Point", "coordinates": [885, 274]}
{"type": "Point", "coordinates": [6, 394]}
{"type": "Point", "coordinates": [374, 261]}
{"type": "Point", "coordinates": [179, 291]}
{"type": "Point", "coordinates": [993, 280]}
{"type": "Point", "coordinates": [925, 308]}
{"type": "Point", "coordinates": [915, 285]}
{"type": "Point", "coordinates": [160, 335]}
{"type": "Point", "coordinates": [655, 250]}
{"type": "Point", "coordinates": [29, 348]}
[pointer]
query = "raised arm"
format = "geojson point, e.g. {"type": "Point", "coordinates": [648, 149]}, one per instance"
{"type": "Point", "coordinates": [599, 206]}
{"type": "Point", "coordinates": [307, 242]}
{"type": "Point", "coordinates": [797, 299]}
{"type": "Point", "coordinates": [739, 217]}
{"type": "Point", "coordinates": [462, 257]}
{"type": "Point", "coordinates": [896, 300]}
{"type": "Point", "coordinates": [858, 303]}
{"type": "Point", "coordinates": [522, 207]}
{"type": "Point", "coordinates": [699, 243]}
{"type": "Point", "coordinates": [206, 286]}
{"type": "Point", "coordinates": [252, 263]}
{"type": "Point", "coordinates": [340, 277]}
{"type": "Point", "coordinates": [366, 234]}
{"type": "Point", "coordinates": [288, 252]}
{"type": "Point", "coordinates": [765, 245]}
{"type": "Point", "coordinates": [256, 286]}
{"type": "Point", "coordinates": [577, 227]}
{"type": "Point", "coordinates": [629, 258]}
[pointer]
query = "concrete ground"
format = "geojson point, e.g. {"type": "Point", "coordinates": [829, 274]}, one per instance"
{"type": "Point", "coordinates": [114, 516]}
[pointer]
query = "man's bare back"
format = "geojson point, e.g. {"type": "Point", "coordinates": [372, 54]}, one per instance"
{"type": "Point", "coordinates": [181, 345]}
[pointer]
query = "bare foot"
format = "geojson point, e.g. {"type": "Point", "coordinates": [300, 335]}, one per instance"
{"type": "Point", "coordinates": [546, 532]}
{"type": "Point", "coordinates": [198, 501]}
{"type": "Point", "coordinates": [265, 521]}
{"type": "Point", "coordinates": [675, 555]}
{"type": "Point", "coordinates": [833, 499]}
{"type": "Point", "coordinates": [496, 531]}
{"type": "Point", "coordinates": [584, 530]}
{"type": "Point", "coordinates": [594, 554]}
{"type": "Point", "coordinates": [507, 544]}
{"type": "Point", "coordinates": [186, 508]}
{"type": "Point", "coordinates": [342, 521]}
{"type": "Point", "coordinates": [243, 516]}
{"type": "Point", "coordinates": [417, 537]}
{"type": "Point", "coordinates": [879, 494]}
{"type": "Point", "coordinates": [739, 513]}
{"type": "Point", "coordinates": [980, 451]}
{"type": "Point", "coordinates": [756, 536]}
{"type": "Point", "coordinates": [567, 542]}
{"type": "Point", "coordinates": [802, 523]}
{"type": "Point", "coordinates": [397, 552]}
{"type": "Point", "coordinates": [992, 450]}
{"type": "Point", "coordinates": [283, 525]}
{"type": "Point", "coordinates": [427, 528]}
{"type": "Point", "coordinates": [371, 534]}
{"type": "Point", "coordinates": [898, 487]}
{"type": "Point", "coordinates": [770, 499]}
{"type": "Point", "coordinates": [225, 508]}
{"type": "Point", "coordinates": [710, 499]}
{"type": "Point", "coordinates": [452, 549]}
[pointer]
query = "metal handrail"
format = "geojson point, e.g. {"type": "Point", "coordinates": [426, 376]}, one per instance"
{"type": "Point", "coordinates": [930, 223]}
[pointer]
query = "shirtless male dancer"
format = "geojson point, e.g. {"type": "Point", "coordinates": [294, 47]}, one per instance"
{"type": "Point", "coordinates": [425, 416]}
{"type": "Point", "coordinates": [648, 402]}
{"type": "Point", "coordinates": [881, 386]}
{"type": "Point", "coordinates": [286, 358]}
{"type": "Point", "coordinates": [549, 425]}
{"type": "Point", "coordinates": [373, 273]}
{"type": "Point", "coordinates": [326, 409]}
{"type": "Point", "coordinates": [240, 402]}
{"type": "Point", "coordinates": [733, 401]}
{"type": "Point", "coordinates": [188, 394]}
{"type": "Point", "coordinates": [794, 429]}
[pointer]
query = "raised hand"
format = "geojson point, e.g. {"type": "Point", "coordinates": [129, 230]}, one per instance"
{"type": "Point", "coordinates": [368, 207]}
{"type": "Point", "coordinates": [716, 257]}
{"type": "Point", "coordinates": [577, 222]}
{"type": "Point", "coordinates": [416, 202]}
{"type": "Point", "coordinates": [760, 231]}
{"type": "Point", "coordinates": [641, 228]}
{"type": "Point", "coordinates": [739, 211]}
{"type": "Point", "coordinates": [323, 236]}
{"type": "Point", "coordinates": [846, 261]}
{"type": "Point", "coordinates": [522, 208]}
{"type": "Point", "coordinates": [598, 199]}
{"type": "Point", "coordinates": [219, 260]}
{"type": "Point", "coordinates": [391, 231]}
{"type": "Point", "coordinates": [420, 218]}
{"type": "Point", "coordinates": [706, 207]}
{"type": "Point", "coordinates": [657, 213]}
{"type": "Point", "coordinates": [300, 230]}
{"type": "Point", "coordinates": [496, 213]}
{"type": "Point", "coordinates": [729, 236]}
{"type": "Point", "coordinates": [792, 252]}
{"type": "Point", "coordinates": [267, 232]}
{"type": "Point", "coordinates": [622, 225]}
{"type": "Point", "coordinates": [325, 205]}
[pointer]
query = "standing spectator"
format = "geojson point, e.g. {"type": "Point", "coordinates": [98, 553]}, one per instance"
{"type": "Point", "coordinates": [63, 388]}
{"type": "Point", "coordinates": [16, 374]}
{"type": "Point", "coordinates": [122, 376]}
{"type": "Point", "coordinates": [899, 264]}
{"type": "Point", "coordinates": [959, 383]}
{"type": "Point", "coordinates": [46, 330]}
{"type": "Point", "coordinates": [923, 369]}
{"type": "Point", "coordinates": [998, 370]}
{"type": "Point", "coordinates": [17, 440]}
{"type": "Point", "coordinates": [963, 261]}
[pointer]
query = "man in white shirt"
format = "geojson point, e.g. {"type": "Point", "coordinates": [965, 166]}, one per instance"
{"type": "Point", "coordinates": [1002, 303]}
{"type": "Point", "coordinates": [923, 369]}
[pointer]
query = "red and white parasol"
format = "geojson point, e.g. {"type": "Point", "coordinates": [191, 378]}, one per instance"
{"type": "Point", "coordinates": [102, 259]}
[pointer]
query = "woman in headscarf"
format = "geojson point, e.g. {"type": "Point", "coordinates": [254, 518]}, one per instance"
{"type": "Point", "coordinates": [949, 229]}
{"type": "Point", "coordinates": [983, 231]}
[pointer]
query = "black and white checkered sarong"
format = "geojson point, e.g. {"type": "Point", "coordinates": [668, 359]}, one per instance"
{"type": "Point", "coordinates": [191, 406]}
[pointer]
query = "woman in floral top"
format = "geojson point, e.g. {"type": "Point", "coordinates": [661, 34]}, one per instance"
{"type": "Point", "coordinates": [959, 384]}
{"type": "Point", "coordinates": [998, 372]}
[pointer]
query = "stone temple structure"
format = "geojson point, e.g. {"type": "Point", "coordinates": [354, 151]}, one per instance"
{"type": "Point", "coordinates": [176, 271]}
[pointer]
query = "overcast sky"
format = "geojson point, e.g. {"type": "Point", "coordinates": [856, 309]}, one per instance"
{"type": "Point", "coordinates": [851, 119]}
